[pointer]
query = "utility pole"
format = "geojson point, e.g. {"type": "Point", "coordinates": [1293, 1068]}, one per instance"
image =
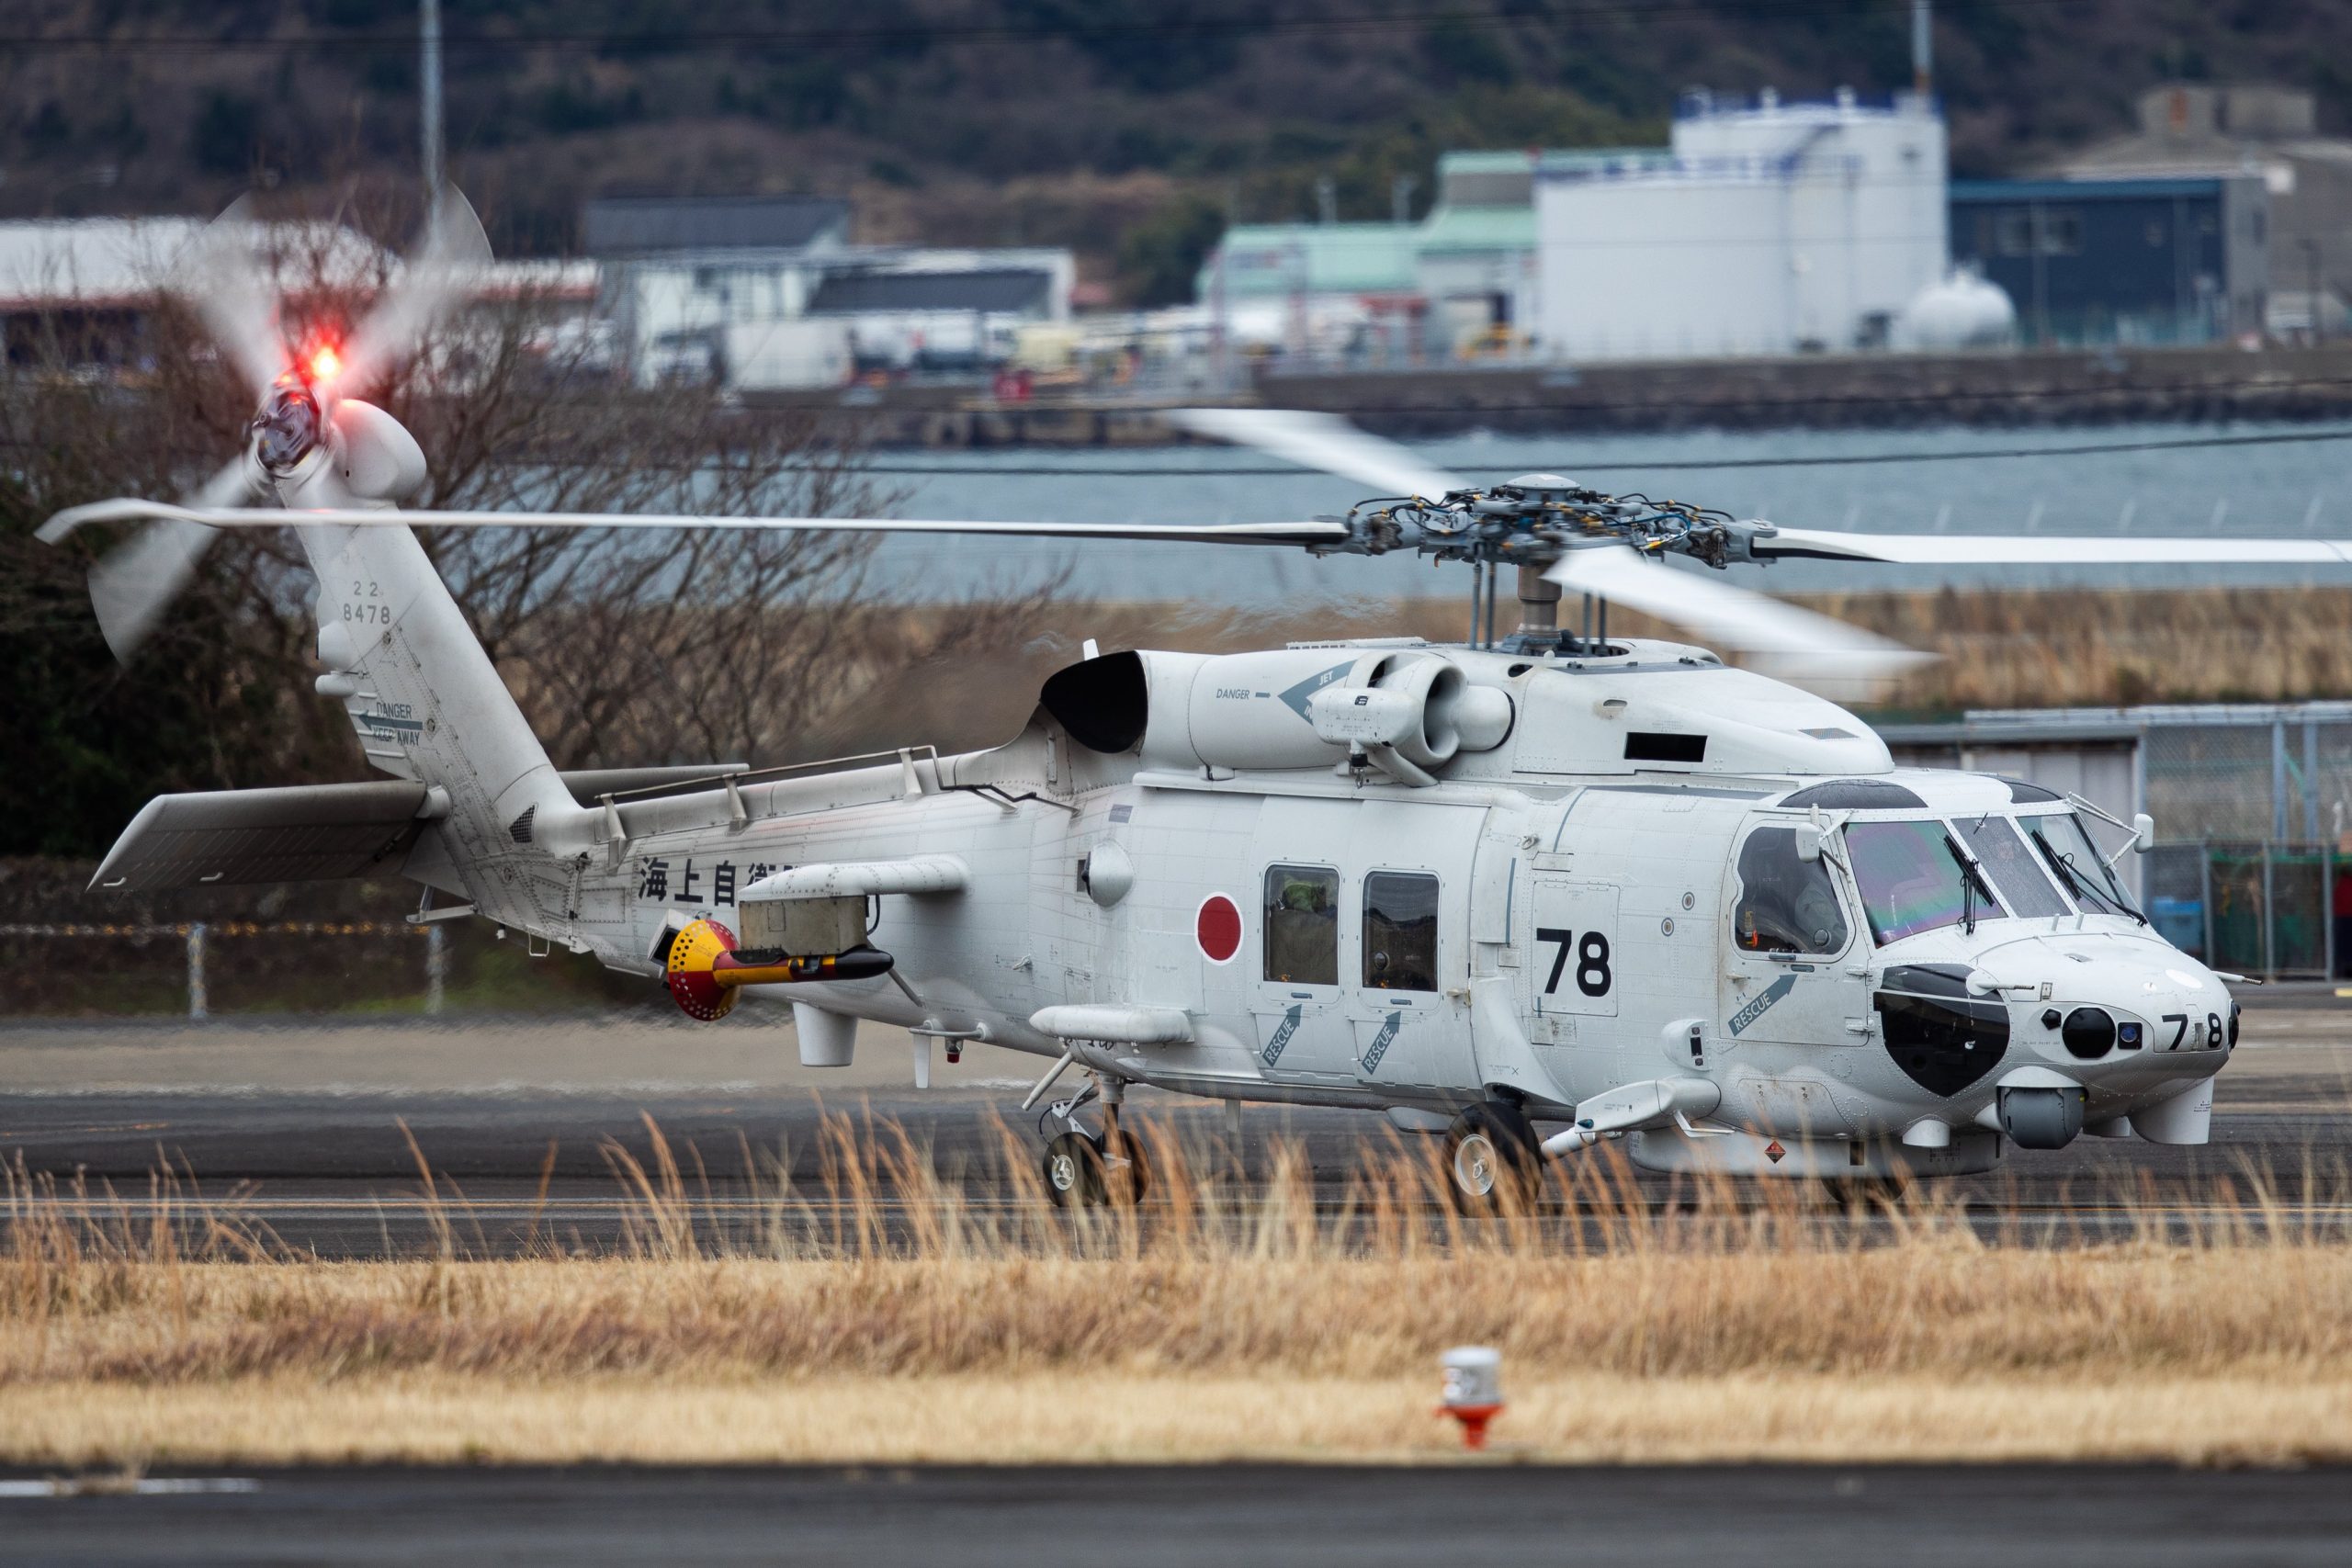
{"type": "Point", "coordinates": [2310, 278]}
{"type": "Point", "coordinates": [1923, 46]}
{"type": "Point", "coordinates": [428, 75]}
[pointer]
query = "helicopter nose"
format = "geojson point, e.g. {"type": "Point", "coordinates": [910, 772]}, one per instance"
{"type": "Point", "coordinates": [2102, 1034]}
{"type": "Point", "coordinates": [2145, 1015]}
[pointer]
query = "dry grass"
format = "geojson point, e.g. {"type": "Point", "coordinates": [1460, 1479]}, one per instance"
{"type": "Point", "coordinates": [890, 1318]}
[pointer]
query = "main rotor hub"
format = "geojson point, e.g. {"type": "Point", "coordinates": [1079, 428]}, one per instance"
{"type": "Point", "coordinates": [1535, 519]}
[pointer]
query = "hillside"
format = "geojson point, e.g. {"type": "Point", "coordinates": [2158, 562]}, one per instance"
{"type": "Point", "coordinates": [1123, 127]}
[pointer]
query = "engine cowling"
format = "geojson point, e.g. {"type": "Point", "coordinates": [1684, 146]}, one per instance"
{"type": "Point", "coordinates": [1410, 710]}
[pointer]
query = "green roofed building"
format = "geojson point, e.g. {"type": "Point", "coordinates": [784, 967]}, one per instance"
{"type": "Point", "coordinates": [1460, 281]}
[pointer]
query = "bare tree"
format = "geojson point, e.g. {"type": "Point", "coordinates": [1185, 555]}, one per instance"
{"type": "Point", "coordinates": [623, 647]}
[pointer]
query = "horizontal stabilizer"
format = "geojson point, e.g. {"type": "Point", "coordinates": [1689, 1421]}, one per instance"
{"type": "Point", "coordinates": [237, 837]}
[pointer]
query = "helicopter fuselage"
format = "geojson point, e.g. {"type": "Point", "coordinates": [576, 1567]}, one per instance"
{"type": "Point", "coordinates": [1849, 970]}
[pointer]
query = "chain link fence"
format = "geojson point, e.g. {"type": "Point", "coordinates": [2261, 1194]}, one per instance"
{"type": "Point", "coordinates": [2254, 907]}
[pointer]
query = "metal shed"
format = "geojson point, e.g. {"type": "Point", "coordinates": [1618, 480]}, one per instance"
{"type": "Point", "coordinates": [2253, 807]}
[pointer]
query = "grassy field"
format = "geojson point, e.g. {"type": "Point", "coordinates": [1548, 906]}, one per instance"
{"type": "Point", "coordinates": [889, 1318]}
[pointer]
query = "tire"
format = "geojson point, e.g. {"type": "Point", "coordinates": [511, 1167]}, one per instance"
{"type": "Point", "coordinates": [1073, 1171]}
{"type": "Point", "coordinates": [1125, 1183]}
{"type": "Point", "coordinates": [1493, 1162]}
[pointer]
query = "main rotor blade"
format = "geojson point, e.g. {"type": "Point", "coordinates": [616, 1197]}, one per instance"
{"type": "Point", "coordinates": [220, 274]}
{"type": "Point", "coordinates": [131, 509]}
{"type": "Point", "coordinates": [137, 581]}
{"type": "Point", "coordinates": [1326, 441]}
{"type": "Point", "coordinates": [2048, 549]}
{"type": "Point", "coordinates": [454, 253]}
{"type": "Point", "coordinates": [1780, 636]}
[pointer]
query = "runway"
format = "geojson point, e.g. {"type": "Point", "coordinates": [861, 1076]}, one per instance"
{"type": "Point", "coordinates": [321, 1137]}
{"type": "Point", "coordinates": [1930, 1516]}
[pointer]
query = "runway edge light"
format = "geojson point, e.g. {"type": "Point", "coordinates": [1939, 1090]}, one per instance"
{"type": "Point", "coordinates": [1473, 1391]}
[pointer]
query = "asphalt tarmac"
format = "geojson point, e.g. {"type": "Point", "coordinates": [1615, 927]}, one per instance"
{"type": "Point", "coordinates": [1939, 1517]}
{"type": "Point", "coordinates": [322, 1136]}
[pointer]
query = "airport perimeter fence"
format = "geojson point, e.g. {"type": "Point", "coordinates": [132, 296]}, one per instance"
{"type": "Point", "coordinates": [199, 938]}
{"type": "Point", "coordinates": [2254, 907]}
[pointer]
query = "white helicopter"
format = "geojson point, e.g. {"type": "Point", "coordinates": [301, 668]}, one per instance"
{"type": "Point", "coordinates": [1530, 893]}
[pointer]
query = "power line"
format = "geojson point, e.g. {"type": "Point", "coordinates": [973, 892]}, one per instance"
{"type": "Point", "coordinates": [829, 38]}
{"type": "Point", "coordinates": [1698, 412]}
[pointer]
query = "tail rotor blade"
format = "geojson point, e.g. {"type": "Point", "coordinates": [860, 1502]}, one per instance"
{"type": "Point", "coordinates": [219, 276]}
{"type": "Point", "coordinates": [454, 252]}
{"type": "Point", "coordinates": [1780, 638]}
{"type": "Point", "coordinates": [1326, 441]}
{"type": "Point", "coordinates": [137, 582]}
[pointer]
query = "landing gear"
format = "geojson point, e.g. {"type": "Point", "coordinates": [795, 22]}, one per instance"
{"type": "Point", "coordinates": [1494, 1163]}
{"type": "Point", "coordinates": [1074, 1172]}
{"type": "Point", "coordinates": [1082, 1173]}
{"type": "Point", "coordinates": [1087, 1170]}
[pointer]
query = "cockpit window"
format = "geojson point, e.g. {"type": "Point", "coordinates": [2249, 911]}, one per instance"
{"type": "Point", "coordinates": [1993, 841]}
{"type": "Point", "coordinates": [1913, 879]}
{"type": "Point", "coordinates": [1785, 904]}
{"type": "Point", "coordinates": [2070, 854]}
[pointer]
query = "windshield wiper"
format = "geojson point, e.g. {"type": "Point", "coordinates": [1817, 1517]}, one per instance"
{"type": "Point", "coordinates": [2077, 881]}
{"type": "Point", "coordinates": [2065, 868]}
{"type": "Point", "coordinates": [1969, 886]}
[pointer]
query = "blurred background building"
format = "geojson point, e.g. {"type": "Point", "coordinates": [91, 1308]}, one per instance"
{"type": "Point", "coordinates": [769, 293]}
{"type": "Point", "coordinates": [1765, 228]}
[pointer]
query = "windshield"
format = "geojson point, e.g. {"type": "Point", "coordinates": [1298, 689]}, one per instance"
{"type": "Point", "coordinates": [1910, 877]}
{"type": "Point", "coordinates": [2069, 852]}
{"type": "Point", "coordinates": [1994, 842]}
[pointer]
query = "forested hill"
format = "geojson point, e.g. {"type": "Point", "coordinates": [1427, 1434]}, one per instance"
{"type": "Point", "coordinates": [1087, 122]}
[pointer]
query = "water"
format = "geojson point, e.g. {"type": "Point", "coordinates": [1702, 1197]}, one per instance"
{"type": "Point", "coordinates": [2297, 487]}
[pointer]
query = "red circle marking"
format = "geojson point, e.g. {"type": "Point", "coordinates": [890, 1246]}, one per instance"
{"type": "Point", "coordinates": [1218, 928]}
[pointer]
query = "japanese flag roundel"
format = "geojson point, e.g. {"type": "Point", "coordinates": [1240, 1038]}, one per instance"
{"type": "Point", "coordinates": [1217, 928]}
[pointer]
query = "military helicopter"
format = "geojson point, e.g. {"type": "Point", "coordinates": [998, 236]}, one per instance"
{"type": "Point", "coordinates": [1531, 892]}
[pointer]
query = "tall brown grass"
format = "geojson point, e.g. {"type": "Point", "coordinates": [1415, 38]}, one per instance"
{"type": "Point", "coordinates": [888, 1266]}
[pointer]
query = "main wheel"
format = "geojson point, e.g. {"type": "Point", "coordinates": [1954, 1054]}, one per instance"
{"type": "Point", "coordinates": [1126, 1175]}
{"type": "Point", "coordinates": [1492, 1161]}
{"type": "Point", "coordinates": [1074, 1172]}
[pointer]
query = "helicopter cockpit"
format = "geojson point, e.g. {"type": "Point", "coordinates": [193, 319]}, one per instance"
{"type": "Point", "coordinates": [1997, 941]}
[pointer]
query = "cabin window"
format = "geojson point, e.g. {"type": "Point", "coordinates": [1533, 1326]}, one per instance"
{"type": "Point", "coordinates": [1785, 904]}
{"type": "Point", "coordinates": [1399, 931]}
{"type": "Point", "coordinates": [1303, 925]}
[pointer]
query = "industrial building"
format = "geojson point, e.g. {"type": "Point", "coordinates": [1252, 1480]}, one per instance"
{"type": "Point", "coordinates": [1765, 228]}
{"type": "Point", "coordinates": [2122, 261]}
{"type": "Point", "coordinates": [2266, 133]}
{"type": "Point", "coordinates": [1462, 277]}
{"type": "Point", "coordinates": [769, 293]}
{"type": "Point", "coordinates": [91, 283]}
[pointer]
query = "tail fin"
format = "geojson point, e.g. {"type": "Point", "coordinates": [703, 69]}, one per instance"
{"type": "Point", "coordinates": [425, 699]}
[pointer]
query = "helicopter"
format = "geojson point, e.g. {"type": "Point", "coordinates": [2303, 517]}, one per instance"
{"type": "Point", "coordinates": [1537, 891]}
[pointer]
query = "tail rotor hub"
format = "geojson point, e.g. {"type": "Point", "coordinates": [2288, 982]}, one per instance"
{"type": "Point", "coordinates": [288, 427]}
